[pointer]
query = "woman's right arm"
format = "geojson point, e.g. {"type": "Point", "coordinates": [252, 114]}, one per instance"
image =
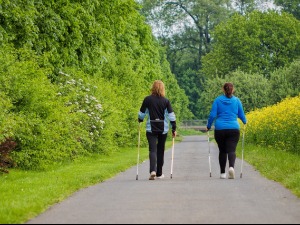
{"type": "Point", "coordinates": [213, 114]}
{"type": "Point", "coordinates": [142, 112]}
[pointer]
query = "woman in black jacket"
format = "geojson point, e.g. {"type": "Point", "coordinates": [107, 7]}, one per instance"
{"type": "Point", "coordinates": [159, 111]}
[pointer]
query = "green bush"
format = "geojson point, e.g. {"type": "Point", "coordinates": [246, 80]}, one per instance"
{"type": "Point", "coordinates": [285, 82]}
{"type": "Point", "coordinates": [252, 89]}
{"type": "Point", "coordinates": [73, 76]}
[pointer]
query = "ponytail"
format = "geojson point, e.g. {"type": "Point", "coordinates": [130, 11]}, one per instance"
{"type": "Point", "coordinates": [228, 89]}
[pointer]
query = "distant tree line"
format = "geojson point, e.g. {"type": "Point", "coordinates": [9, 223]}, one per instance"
{"type": "Point", "coordinates": [209, 41]}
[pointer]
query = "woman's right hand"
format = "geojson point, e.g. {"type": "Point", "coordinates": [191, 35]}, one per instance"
{"type": "Point", "coordinates": [174, 134]}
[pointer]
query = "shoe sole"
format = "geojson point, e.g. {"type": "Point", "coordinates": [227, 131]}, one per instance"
{"type": "Point", "coordinates": [231, 174]}
{"type": "Point", "coordinates": [152, 177]}
{"type": "Point", "coordinates": [160, 178]}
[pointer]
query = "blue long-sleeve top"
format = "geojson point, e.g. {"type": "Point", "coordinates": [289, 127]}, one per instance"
{"type": "Point", "coordinates": [226, 112]}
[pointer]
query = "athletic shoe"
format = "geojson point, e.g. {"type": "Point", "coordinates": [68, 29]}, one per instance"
{"type": "Point", "coordinates": [231, 173]}
{"type": "Point", "coordinates": [223, 176]}
{"type": "Point", "coordinates": [160, 177]}
{"type": "Point", "coordinates": [152, 175]}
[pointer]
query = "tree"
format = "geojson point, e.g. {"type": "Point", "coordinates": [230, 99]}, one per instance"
{"type": "Point", "coordinates": [255, 43]}
{"type": "Point", "coordinates": [244, 6]}
{"type": "Point", "coordinates": [290, 6]}
{"type": "Point", "coordinates": [252, 89]}
{"type": "Point", "coordinates": [200, 16]}
{"type": "Point", "coordinates": [285, 82]}
{"type": "Point", "coordinates": [184, 28]}
{"type": "Point", "coordinates": [73, 75]}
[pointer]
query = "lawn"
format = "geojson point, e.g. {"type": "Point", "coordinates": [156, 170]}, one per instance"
{"type": "Point", "coordinates": [278, 165]}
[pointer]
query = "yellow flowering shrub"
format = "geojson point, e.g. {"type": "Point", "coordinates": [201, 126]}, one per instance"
{"type": "Point", "coordinates": [276, 126]}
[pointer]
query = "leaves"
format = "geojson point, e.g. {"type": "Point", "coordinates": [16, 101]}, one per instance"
{"type": "Point", "coordinates": [110, 59]}
{"type": "Point", "coordinates": [258, 42]}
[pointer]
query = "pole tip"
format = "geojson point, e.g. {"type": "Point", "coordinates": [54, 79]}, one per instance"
{"type": "Point", "coordinates": [137, 177]}
{"type": "Point", "coordinates": [241, 175]}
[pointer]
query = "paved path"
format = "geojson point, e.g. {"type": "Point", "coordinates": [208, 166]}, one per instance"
{"type": "Point", "coordinates": [190, 197]}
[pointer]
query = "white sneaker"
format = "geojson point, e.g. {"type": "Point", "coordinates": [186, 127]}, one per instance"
{"type": "Point", "coordinates": [223, 176]}
{"type": "Point", "coordinates": [231, 173]}
{"type": "Point", "coordinates": [160, 177]}
{"type": "Point", "coordinates": [152, 175]}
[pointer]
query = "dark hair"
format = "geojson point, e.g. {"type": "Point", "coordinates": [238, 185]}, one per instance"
{"type": "Point", "coordinates": [228, 89]}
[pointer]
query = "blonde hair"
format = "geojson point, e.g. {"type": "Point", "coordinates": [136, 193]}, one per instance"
{"type": "Point", "coordinates": [158, 89]}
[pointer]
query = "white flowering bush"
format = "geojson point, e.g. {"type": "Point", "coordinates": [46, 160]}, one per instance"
{"type": "Point", "coordinates": [79, 96]}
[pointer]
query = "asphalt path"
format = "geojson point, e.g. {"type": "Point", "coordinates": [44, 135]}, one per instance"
{"type": "Point", "coordinates": [191, 197]}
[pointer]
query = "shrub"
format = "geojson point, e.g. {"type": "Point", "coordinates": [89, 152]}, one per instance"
{"type": "Point", "coordinates": [6, 148]}
{"type": "Point", "coordinates": [276, 126]}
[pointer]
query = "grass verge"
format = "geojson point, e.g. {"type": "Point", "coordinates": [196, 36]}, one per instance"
{"type": "Point", "coordinates": [26, 194]}
{"type": "Point", "coordinates": [277, 165]}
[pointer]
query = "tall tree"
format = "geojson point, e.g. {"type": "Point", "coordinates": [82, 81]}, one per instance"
{"type": "Point", "coordinates": [184, 27]}
{"type": "Point", "coordinates": [243, 6]}
{"type": "Point", "coordinates": [101, 58]}
{"type": "Point", "coordinates": [258, 42]}
{"type": "Point", "coordinates": [290, 6]}
{"type": "Point", "coordinates": [180, 16]}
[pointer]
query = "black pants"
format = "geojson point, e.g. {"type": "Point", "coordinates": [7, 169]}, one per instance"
{"type": "Point", "coordinates": [157, 144]}
{"type": "Point", "coordinates": [227, 141]}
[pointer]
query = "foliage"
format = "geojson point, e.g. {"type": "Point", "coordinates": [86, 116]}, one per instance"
{"type": "Point", "coordinates": [80, 98]}
{"type": "Point", "coordinates": [255, 43]}
{"type": "Point", "coordinates": [73, 75]}
{"type": "Point", "coordinates": [244, 6]}
{"type": "Point", "coordinates": [184, 28]}
{"type": "Point", "coordinates": [6, 147]}
{"type": "Point", "coordinates": [40, 124]}
{"type": "Point", "coordinates": [285, 82]}
{"type": "Point", "coordinates": [290, 6]}
{"type": "Point", "coordinates": [252, 89]}
{"type": "Point", "coordinates": [276, 126]}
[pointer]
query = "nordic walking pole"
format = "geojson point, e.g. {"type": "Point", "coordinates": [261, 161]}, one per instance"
{"type": "Point", "coordinates": [172, 162]}
{"type": "Point", "coordinates": [138, 157]}
{"type": "Point", "coordinates": [243, 149]}
{"type": "Point", "coordinates": [209, 160]}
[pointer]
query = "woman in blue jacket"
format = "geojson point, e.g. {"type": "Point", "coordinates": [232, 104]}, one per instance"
{"type": "Point", "coordinates": [225, 112]}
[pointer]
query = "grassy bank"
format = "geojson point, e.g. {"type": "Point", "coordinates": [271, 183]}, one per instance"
{"type": "Point", "coordinates": [25, 194]}
{"type": "Point", "coordinates": [277, 165]}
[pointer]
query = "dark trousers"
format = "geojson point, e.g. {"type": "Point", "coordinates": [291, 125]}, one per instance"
{"type": "Point", "coordinates": [227, 142]}
{"type": "Point", "coordinates": [157, 143]}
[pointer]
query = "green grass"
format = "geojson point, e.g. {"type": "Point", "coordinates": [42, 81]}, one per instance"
{"type": "Point", "coordinates": [189, 132]}
{"type": "Point", "coordinates": [277, 165]}
{"type": "Point", "coordinates": [26, 194]}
